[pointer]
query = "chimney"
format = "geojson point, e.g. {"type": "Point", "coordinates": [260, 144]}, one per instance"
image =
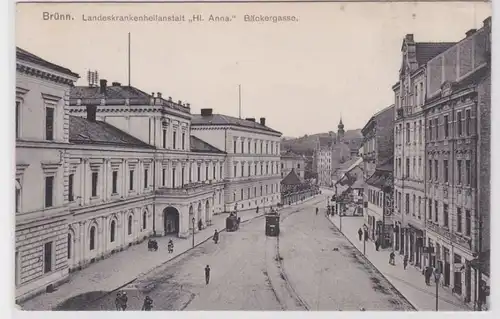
{"type": "Point", "coordinates": [153, 94]}
{"type": "Point", "coordinates": [263, 121]}
{"type": "Point", "coordinates": [470, 32]}
{"type": "Point", "coordinates": [188, 105]}
{"type": "Point", "coordinates": [251, 119]}
{"type": "Point", "coordinates": [487, 22]}
{"type": "Point", "coordinates": [206, 112]}
{"type": "Point", "coordinates": [91, 112]}
{"type": "Point", "coordinates": [103, 85]}
{"type": "Point", "coordinates": [170, 98]}
{"type": "Point", "coordinates": [159, 95]}
{"type": "Point", "coordinates": [116, 84]}
{"type": "Point", "coordinates": [179, 102]}
{"type": "Point", "coordinates": [409, 37]}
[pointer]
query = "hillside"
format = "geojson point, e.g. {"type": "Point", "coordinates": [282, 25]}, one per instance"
{"type": "Point", "coordinates": [306, 144]}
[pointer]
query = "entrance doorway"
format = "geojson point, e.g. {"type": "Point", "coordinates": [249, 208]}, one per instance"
{"type": "Point", "coordinates": [171, 220]}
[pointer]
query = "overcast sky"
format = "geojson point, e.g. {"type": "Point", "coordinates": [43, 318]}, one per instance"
{"type": "Point", "coordinates": [338, 59]}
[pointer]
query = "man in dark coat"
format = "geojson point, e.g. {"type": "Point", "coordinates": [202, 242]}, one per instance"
{"type": "Point", "coordinates": [207, 274]}
{"type": "Point", "coordinates": [360, 234]}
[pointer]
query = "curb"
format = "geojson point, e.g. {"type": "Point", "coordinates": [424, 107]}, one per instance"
{"type": "Point", "coordinates": [369, 261]}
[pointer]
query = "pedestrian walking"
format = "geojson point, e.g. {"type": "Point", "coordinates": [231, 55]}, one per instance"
{"type": "Point", "coordinates": [428, 274]}
{"type": "Point", "coordinates": [257, 210]}
{"type": "Point", "coordinates": [377, 244]}
{"type": "Point", "coordinates": [392, 257]}
{"type": "Point", "coordinates": [124, 300]}
{"type": "Point", "coordinates": [207, 274]}
{"type": "Point", "coordinates": [118, 301]}
{"type": "Point", "coordinates": [405, 262]}
{"type": "Point", "coordinates": [148, 304]}
{"type": "Point", "coordinates": [317, 209]}
{"type": "Point", "coordinates": [216, 236]}
{"type": "Point", "coordinates": [360, 234]}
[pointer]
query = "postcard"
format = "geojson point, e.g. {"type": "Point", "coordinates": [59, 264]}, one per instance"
{"type": "Point", "coordinates": [253, 156]}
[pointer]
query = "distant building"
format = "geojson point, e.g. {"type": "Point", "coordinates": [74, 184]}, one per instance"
{"type": "Point", "coordinates": [378, 140]}
{"type": "Point", "coordinates": [253, 157]}
{"type": "Point", "coordinates": [289, 161]}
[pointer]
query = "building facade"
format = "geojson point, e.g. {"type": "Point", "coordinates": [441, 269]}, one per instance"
{"type": "Point", "coordinates": [409, 147]}
{"type": "Point", "coordinates": [42, 138]}
{"type": "Point", "coordinates": [188, 184]}
{"type": "Point", "coordinates": [378, 140]}
{"type": "Point", "coordinates": [252, 165]}
{"type": "Point", "coordinates": [457, 112]}
{"type": "Point", "coordinates": [289, 161]}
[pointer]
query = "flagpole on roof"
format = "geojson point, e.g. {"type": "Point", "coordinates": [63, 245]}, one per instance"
{"type": "Point", "coordinates": [239, 101]}
{"type": "Point", "coordinates": [129, 59]}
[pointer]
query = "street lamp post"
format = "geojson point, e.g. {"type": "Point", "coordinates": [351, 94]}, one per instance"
{"type": "Point", "coordinates": [437, 275]}
{"type": "Point", "coordinates": [193, 221]}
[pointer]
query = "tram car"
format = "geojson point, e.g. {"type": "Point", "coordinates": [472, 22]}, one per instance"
{"type": "Point", "coordinates": [232, 223]}
{"type": "Point", "coordinates": [273, 225]}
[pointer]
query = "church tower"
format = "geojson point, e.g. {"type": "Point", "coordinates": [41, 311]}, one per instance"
{"type": "Point", "coordinates": [340, 131]}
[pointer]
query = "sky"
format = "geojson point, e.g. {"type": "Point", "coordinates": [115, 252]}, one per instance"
{"type": "Point", "coordinates": [338, 59]}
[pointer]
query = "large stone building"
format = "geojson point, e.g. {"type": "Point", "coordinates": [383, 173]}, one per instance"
{"type": "Point", "coordinates": [42, 139]}
{"type": "Point", "coordinates": [188, 181]}
{"type": "Point", "coordinates": [457, 116]}
{"type": "Point", "coordinates": [109, 166]}
{"type": "Point", "coordinates": [409, 147]}
{"type": "Point", "coordinates": [252, 167]}
{"type": "Point", "coordinates": [289, 161]}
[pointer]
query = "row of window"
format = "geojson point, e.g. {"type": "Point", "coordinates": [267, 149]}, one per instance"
{"type": "Point", "coordinates": [435, 129]}
{"type": "Point", "coordinates": [415, 98]}
{"type": "Point", "coordinates": [252, 192]}
{"type": "Point", "coordinates": [445, 217]}
{"type": "Point", "coordinates": [434, 169]}
{"type": "Point", "coordinates": [257, 147]}
{"type": "Point", "coordinates": [174, 139]}
{"type": "Point", "coordinates": [433, 213]}
{"type": "Point", "coordinates": [192, 178]}
{"type": "Point", "coordinates": [463, 125]}
{"type": "Point", "coordinates": [248, 172]}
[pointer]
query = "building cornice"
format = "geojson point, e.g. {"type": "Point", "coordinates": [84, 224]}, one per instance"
{"type": "Point", "coordinates": [223, 127]}
{"type": "Point", "coordinates": [45, 74]}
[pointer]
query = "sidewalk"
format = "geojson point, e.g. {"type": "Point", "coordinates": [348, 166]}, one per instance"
{"type": "Point", "coordinates": [409, 282]}
{"type": "Point", "coordinates": [121, 269]}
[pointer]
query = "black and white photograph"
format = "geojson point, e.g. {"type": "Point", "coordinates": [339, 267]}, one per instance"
{"type": "Point", "coordinates": [251, 156]}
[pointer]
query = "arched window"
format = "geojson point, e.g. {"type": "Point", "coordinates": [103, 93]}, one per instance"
{"type": "Point", "coordinates": [144, 220]}
{"type": "Point", "coordinates": [112, 231]}
{"type": "Point", "coordinates": [69, 246]}
{"type": "Point", "coordinates": [130, 225]}
{"type": "Point", "coordinates": [92, 238]}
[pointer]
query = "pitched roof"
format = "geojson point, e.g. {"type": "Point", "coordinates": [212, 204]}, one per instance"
{"type": "Point", "coordinates": [83, 131]}
{"type": "Point", "coordinates": [380, 179]}
{"type": "Point", "coordinates": [220, 119]}
{"type": "Point", "coordinates": [30, 57]}
{"type": "Point", "coordinates": [387, 165]}
{"type": "Point", "coordinates": [425, 51]}
{"type": "Point", "coordinates": [291, 178]}
{"type": "Point", "coordinates": [198, 145]}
